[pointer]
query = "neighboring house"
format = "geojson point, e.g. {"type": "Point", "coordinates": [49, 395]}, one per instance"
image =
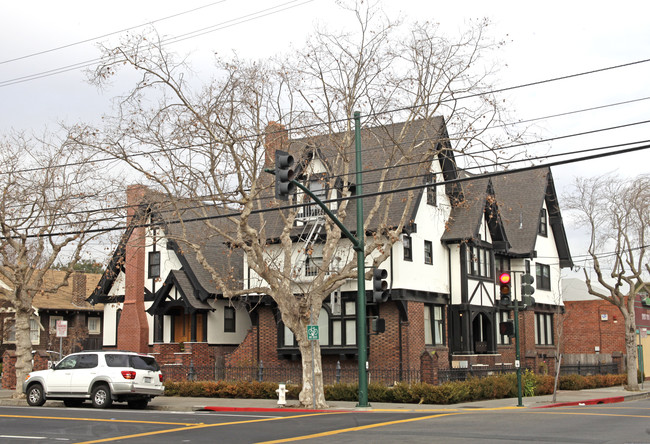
{"type": "Point", "coordinates": [443, 295]}
{"type": "Point", "coordinates": [84, 322]}
{"type": "Point", "coordinates": [68, 304]}
{"type": "Point", "coordinates": [593, 330]}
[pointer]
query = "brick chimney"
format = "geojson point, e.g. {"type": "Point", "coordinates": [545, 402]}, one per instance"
{"type": "Point", "coordinates": [276, 138]}
{"type": "Point", "coordinates": [133, 329]}
{"type": "Point", "coordinates": [79, 289]}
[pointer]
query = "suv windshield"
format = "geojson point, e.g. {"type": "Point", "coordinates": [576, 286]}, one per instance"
{"type": "Point", "coordinates": [134, 361]}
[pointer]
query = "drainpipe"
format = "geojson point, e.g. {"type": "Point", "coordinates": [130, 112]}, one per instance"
{"type": "Point", "coordinates": [450, 300]}
{"type": "Point", "coordinates": [399, 323]}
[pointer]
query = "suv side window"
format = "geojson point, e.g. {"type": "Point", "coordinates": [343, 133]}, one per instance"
{"type": "Point", "coordinates": [67, 363]}
{"type": "Point", "coordinates": [117, 360]}
{"type": "Point", "coordinates": [87, 361]}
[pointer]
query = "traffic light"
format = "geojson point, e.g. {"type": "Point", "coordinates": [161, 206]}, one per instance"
{"type": "Point", "coordinates": [377, 324]}
{"type": "Point", "coordinates": [379, 285]}
{"type": "Point", "coordinates": [527, 288]}
{"type": "Point", "coordinates": [504, 284]}
{"type": "Point", "coordinates": [507, 328]}
{"type": "Point", "coordinates": [283, 175]}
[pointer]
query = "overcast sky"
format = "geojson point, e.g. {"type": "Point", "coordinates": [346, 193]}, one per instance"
{"type": "Point", "coordinates": [545, 40]}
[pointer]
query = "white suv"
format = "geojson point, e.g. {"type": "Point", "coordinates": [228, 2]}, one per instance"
{"type": "Point", "coordinates": [101, 376]}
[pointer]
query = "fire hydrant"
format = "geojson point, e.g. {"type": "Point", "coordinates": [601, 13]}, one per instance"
{"type": "Point", "coordinates": [282, 394]}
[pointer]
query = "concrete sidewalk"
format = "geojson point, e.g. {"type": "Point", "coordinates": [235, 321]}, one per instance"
{"type": "Point", "coordinates": [563, 398]}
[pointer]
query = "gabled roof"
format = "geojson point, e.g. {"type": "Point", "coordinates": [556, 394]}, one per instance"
{"type": "Point", "coordinates": [179, 280]}
{"type": "Point", "coordinates": [467, 215]}
{"type": "Point", "coordinates": [195, 226]}
{"type": "Point", "coordinates": [404, 150]}
{"type": "Point", "coordinates": [520, 196]}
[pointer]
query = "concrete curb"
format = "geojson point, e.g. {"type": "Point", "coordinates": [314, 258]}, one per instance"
{"type": "Point", "coordinates": [610, 400]}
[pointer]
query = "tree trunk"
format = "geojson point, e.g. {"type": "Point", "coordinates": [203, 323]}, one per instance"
{"type": "Point", "coordinates": [23, 348]}
{"type": "Point", "coordinates": [630, 349]}
{"type": "Point", "coordinates": [313, 392]}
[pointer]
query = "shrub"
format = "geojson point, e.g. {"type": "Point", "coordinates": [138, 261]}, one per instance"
{"type": "Point", "coordinates": [473, 389]}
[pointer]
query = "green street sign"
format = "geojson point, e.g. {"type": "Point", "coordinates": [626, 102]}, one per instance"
{"type": "Point", "coordinates": [312, 332]}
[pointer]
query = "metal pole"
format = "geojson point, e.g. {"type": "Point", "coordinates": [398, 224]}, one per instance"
{"type": "Point", "coordinates": [517, 355]}
{"type": "Point", "coordinates": [361, 280]}
{"type": "Point", "coordinates": [313, 363]}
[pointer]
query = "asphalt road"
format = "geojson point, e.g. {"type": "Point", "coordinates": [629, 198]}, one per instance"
{"type": "Point", "coordinates": [627, 422]}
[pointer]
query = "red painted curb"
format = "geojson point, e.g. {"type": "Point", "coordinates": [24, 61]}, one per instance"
{"type": "Point", "coordinates": [265, 409]}
{"type": "Point", "coordinates": [611, 400]}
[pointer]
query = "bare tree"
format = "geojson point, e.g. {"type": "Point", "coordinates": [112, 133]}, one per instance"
{"type": "Point", "coordinates": [206, 144]}
{"type": "Point", "coordinates": [45, 212]}
{"type": "Point", "coordinates": [616, 213]}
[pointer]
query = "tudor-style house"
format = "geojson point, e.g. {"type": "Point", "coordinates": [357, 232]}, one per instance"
{"type": "Point", "coordinates": [442, 271]}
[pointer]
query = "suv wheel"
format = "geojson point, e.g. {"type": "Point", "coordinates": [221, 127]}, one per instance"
{"type": "Point", "coordinates": [138, 404]}
{"type": "Point", "coordinates": [101, 397]}
{"type": "Point", "coordinates": [35, 395]}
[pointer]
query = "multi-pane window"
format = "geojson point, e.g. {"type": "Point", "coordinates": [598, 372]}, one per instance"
{"type": "Point", "coordinates": [289, 339]}
{"type": "Point", "coordinates": [428, 252]}
{"type": "Point", "coordinates": [310, 209]}
{"type": "Point", "coordinates": [434, 325]}
{"type": "Point", "coordinates": [479, 261]}
{"type": "Point", "coordinates": [344, 327]}
{"type": "Point", "coordinates": [34, 331]}
{"type": "Point", "coordinates": [10, 331]}
{"type": "Point", "coordinates": [544, 328]}
{"type": "Point", "coordinates": [154, 264]}
{"type": "Point", "coordinates": [229, 319]}
{"type": "Point", "coordinates": [502, 316]}
{"type": "Point", "coordinates": [543, 278]}
{"type": "Point", "coordinates": [543, 226]}
{"type": "Point", "coordinates": [94, 326]}
{"type": "Point", "coordinates": [313, 265]}
{"type": "Point", "coordinates": [432, 198]}
{"type": "Point", "coordinates": [53, 321]}
{"type": "Point", "coordinates": [408, 248]}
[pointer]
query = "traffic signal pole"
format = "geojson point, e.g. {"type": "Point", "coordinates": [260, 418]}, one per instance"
{"type": "Point", "coordinates": [517, 353]}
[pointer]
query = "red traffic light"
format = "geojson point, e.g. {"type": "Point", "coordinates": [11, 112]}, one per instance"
{"type": "Point", "coordinates": [504, 278]}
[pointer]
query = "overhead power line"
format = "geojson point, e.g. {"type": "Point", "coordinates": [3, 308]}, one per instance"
{"type": "Point", "coordinates": [92, 39]}
{"type": "Point", "coordinates": [218, 27]}
{"type": "Point", "coordinates": [365, 195]}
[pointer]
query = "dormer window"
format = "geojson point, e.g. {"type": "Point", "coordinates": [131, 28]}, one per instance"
{"type": "Point", "coordinates": [543, 228]}
{"type": "Point", "coordinates": [311, 210]}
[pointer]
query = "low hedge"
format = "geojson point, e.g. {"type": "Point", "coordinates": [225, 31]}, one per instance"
{"type": "Point", "coordinates": [473, 389]}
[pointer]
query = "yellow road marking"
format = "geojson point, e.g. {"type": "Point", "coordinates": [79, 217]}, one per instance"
{"type": "Point", "coordinates": [203, 426]}
{"type": "Point", "coordinates": [359, 428]}
{"type": "Point", "coordinates": [98, 420]}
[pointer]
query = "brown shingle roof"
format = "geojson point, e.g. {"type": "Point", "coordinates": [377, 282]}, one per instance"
{"type": "Point", "coordinates": [64, 299]}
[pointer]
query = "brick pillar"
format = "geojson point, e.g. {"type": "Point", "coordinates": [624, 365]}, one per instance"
{"type": "Point", "coordinates": [9, 370]}
{"type": "Point", "coordinates": [133, 329]}
{"type": "Point", "coordinates": [429, 368]}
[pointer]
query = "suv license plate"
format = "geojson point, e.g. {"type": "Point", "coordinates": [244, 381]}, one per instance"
{"type": "Point", "coordinates": [147, 380]}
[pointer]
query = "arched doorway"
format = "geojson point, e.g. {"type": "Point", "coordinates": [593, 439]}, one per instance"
{"type": "Point", "coordinates": [482, 333]}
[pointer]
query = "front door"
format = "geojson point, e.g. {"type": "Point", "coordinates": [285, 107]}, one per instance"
{"type": "Point", "coordinates": [183, 327]}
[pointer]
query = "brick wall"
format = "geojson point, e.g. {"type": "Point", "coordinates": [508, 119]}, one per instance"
{"type": "Point", "coordinates": [583, 329]}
